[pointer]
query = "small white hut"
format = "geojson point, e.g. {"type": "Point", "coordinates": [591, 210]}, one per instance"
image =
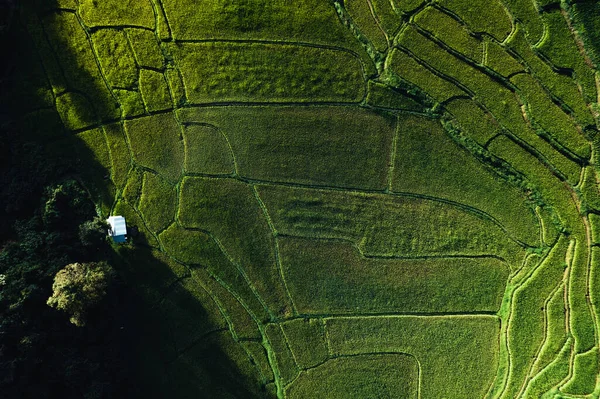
{"type": "Point", "coordinates": [118, 228]}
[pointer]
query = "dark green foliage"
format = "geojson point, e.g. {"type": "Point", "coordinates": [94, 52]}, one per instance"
{"type": "Point", "coordinates": [92, 233]}
{"type": "Point", "coordinates": [67, 200]}
{"type": "Point", "coordinates": [585, 15]}
{"type": "Point", "coordinates": [42, 354]}
{"type": "Point", "coordinates": [78, 287]}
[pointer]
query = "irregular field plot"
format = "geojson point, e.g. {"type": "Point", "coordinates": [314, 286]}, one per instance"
{"type": "Point", "coordinates": [333, 146]}
{"type": "Point", "coordinates": [230, 212]}
{"type": "Point", "coordinates": [429, 162]}
{"type": "Point", "coordinates": [334, 278]}
{"type": "Point", "coordinates": [267, 73]}
{"type": "Point", "coordinates": [386, 226]}
{"type": "Point", "coordinates": [156, 144]}
{"type": "Point", "coordinates": [457, 355]}
{"type": "Point", "coordinates": [310, 21]}
{"type": "Point", "coordinates": [366, 376]}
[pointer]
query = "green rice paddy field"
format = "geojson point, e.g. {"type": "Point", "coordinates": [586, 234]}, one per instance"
{"type": "Point", "coordinates": [340, 199]}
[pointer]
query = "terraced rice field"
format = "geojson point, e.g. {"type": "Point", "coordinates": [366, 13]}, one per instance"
{"type": "Point", "coordinates": [342, 199]}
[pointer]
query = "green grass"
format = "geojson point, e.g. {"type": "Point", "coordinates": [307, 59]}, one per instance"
{"type": "Point", "coordinates": [387, 17]}
{"type": "Point", "coordinates": [116, 58]}
{"type": "Point", "coordinates": [157, 202]}
{"type": "Point", "coordinates": [334, 278]}
{"type": "Point", "coordinates": [590, 190]}
{"type": "Point", "coordinates": [146, 48]}
{"type": "Point", "coordinates": [301, 225]}
{"type": "Point", "coordinates": [130, 101]}
{"type": "Point", "coordinates": [553, 192]}
{"type": "Point", "coordinates": [561, 86]}
{"type": "Point", "coordinates": [155, 272]}
{"type": "Point", "coordinates": [268, 73]}
{"type": "Point", "coordinates": [585, 374]}
{"type": "Point", "coordinates": [361, 15]}
{"type": "Point", "coordinates": [451, 32]}
{"type": "Point", "coordinates": [526, 325]}
{"type": "Point", "coordinates": [326, 146]}
{"type": "Point", "coordinates": [155, 91]}
{"type": "Point", "coordinates": [229, 210]}
{"type": "Point", "coordinates": [560, 47]}
{"type": "Point", "coordinates": [491, 18]}
{"type": "Point", "coordinates": [207, 151]}
{"type": "Point", "coordinates": [79, 67]}
{"type": "Point", "coordinates": [585, 16]}
{"type": "Point", "coordinates": [101, 188]}
{"type": "Point", "coordinates": [104, 13]}
{"type": "Point", "coordinates": [498, 59]}
{"type": "Point", "coordinates": [307, 21]}
{"type": "Point", "coordinates": [581, 319]}
{"type": "Point", "coordinates": [406, 5]}
{"type": "Point", "coordinates": [164, 152]}
{"type": "Point", "coordinates": [381, 95]}
{"type": "Point", "coordinates": [176, 87]}
{"type": "Point", "coordinates": [547, 380]}
{"type": "Point", "coordinates": [239, 320]}
{"type": "Point", "coordinates": [555, 334]}
{"type": "Point", "coordinates": [198, 250]}
{"type": "Point", "coordinates": [551, 118]}
{"type": "Point", "coordinates": [142, 236]}
{"type": "Point", "coordinates": [307, 341]}
{"type": "Point", "coordinates": [527, 14]}
{"type": "Point", "coordinates": [402, 65]}
{"type": "Point", "coordinates": [287, 369]}
{"type": "Point", "coordinates": [429, 162]}
{"type": "Point", "coordinates": [76, 111]}
{"type": "Point", "coordinates": [475, 122]}
{"type": "Point", "coordinates": [384, 226]}
{"type": "Point", "coordinates": [457, 355]}
{"type": "Point", "coordinates": [595, 227]}
{"type": "Point", "coordinates": [367, 376]}
{"type": "Point", "coordinates": [190, 312]}
{"type": "Point", "coordinates": [216, 366]}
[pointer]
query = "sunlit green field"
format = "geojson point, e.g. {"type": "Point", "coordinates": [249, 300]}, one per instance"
{"type": "Point", "coordinates": [340, 199]}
